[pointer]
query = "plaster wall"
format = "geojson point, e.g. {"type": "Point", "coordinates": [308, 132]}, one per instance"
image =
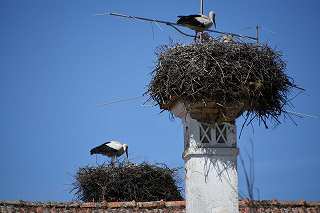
{"type": "Point", "coordinates": [211, 185]}
{"type": "Point", "coordinates": [210, 171]}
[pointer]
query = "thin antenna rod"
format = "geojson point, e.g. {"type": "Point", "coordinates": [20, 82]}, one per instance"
{"type": "Point", "coordinates": [299, 114]}
{"type": "Point", "coordinates": [257, 34]}
{"type": "Point", "coordinates": [173, 24]}
{"type": "Point", "coordinates": [201, 7]}
{"type": "Point", "coordinates": [119, 101]}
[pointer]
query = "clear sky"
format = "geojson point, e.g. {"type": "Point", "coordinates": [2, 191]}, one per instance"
{"type": "Point", "coordinates": [58, 62]}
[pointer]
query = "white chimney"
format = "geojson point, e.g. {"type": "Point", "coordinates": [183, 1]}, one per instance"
{"type": "Point", "coordinates": [210, 155]}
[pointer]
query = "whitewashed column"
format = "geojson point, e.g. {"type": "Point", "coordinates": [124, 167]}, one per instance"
{"type": "Point", "coordinates": [210, 155]}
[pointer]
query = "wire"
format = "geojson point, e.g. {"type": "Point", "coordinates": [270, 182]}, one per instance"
{"type": "Point", "coordinates": [301, 115]}
{"type": "Point", "coordinates": [183, 33]}
{"type": "Point", "coordinates": [119, 101]}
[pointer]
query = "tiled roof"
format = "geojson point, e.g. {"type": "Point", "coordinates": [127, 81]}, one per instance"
{"type": "Point", "coordinates": [152, 207]}
{"type": "Point", "coordinates": [109, 207]}
{"type": "Point", "coordinates": [272, 206]}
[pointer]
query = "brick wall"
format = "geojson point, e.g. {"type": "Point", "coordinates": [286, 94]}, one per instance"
{"type": "Point", "coordinates": [106, 207]}
{"type": "Point", "coordinates": [275, 206]}
{"type": "Point", "coordinates": [152, 207]}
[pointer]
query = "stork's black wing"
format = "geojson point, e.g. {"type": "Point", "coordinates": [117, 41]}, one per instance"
{"type": "Point", "coordinates": [190, 20]}
{"type": "Point", "coordinates": [103, 149]}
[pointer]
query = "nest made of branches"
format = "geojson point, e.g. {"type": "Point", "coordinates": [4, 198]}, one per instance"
{"type": "Point", "coordinates": [228, 74]}
{"type": "Point", "coordinates": [127, 182]}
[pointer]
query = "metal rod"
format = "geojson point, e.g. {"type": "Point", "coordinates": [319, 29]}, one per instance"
{"type": "Point", "coordinates": [137, 17]}
{"type": "Point", "coordinates": [201, 7]}
{"type": "Point", "coordinates": [153, 20]}
{"type": "Point", "coordinates": [173, 24]}
{"type": "Point", "coordinates": [257, 34]}
{"type": "Point", "coordinates": [120, 100]}
{"type": "Point", "coordinates": [183, 33]}
{"type": "Point", "coordinates": [232, 34]}
{"type": "Point", "coordinates": [299, 114]}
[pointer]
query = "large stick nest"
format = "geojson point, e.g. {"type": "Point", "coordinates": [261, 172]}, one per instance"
{"type": "Point", "coordinates": [127, 182]}
{"type": "Point", "coordinates": [249, 76]}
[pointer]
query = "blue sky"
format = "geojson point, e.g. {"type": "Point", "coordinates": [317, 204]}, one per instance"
{"type": "Point", "coordinates": [58, 62]}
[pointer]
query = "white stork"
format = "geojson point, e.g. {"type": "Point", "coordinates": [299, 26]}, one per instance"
{"type": "Point", "coordinates": [198, 23]}
{"type": "Point", "coordinates": [111, 149]}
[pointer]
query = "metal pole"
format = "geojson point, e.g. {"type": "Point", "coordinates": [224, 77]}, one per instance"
{"type": "Point", "coordinates": [201, 7]}
{"type": "Point", "coordinates": [257, 34]}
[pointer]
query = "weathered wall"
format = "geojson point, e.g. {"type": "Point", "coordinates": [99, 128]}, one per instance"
{"type": "Point", "coordinates": [275, 206]}
{"type": "Point", "coordinates": [111, 207]}
{"type": "Point", "coordinates": [152, 207]}
{"type": "Point", "coordinates": [211, 179]}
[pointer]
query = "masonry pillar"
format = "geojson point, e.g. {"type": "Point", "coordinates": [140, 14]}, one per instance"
{"type": "Point", "coordinates": [210, 155]}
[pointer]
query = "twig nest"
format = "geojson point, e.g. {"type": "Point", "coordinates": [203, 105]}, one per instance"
{"type": "Point", "coordinates": [211, 111]}
{"type": "Point", "coordinates": [127, 182]}
{"type": "Point", "coordinates": [228, 77]}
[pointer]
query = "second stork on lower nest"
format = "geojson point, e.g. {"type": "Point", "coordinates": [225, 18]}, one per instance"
{"type": "Point", "coordinates": [198, 23]}
{"type": "Point", "coordinates": [111, 149]}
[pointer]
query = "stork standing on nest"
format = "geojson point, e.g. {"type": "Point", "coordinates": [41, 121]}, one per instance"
{"type": "Point", "coordinates": [199, 22]}
{"type": "Point", "coordinates": [111, 149]}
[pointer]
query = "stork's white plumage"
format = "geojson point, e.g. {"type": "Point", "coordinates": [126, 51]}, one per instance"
{"type": "Point", "coordinates": [111, 149]}
{"type": "Point", "coordinates": [199, 23]}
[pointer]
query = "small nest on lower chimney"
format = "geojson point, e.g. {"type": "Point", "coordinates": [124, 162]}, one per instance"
{"type": "Point", "coordinates": [127, 182]}
{"type": "Point", "coordinates": [229, 75]}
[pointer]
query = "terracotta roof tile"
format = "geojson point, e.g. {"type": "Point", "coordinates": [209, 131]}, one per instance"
{"type": "Point", "coordinates": [246, 206]}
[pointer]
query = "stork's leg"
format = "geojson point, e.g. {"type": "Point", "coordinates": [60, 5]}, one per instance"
{"type": "Point", "coordinates": [113, 160]}
{"type": "Point", "coordinates": [127, 160]}
{"type": "Point", "coordinates": [196, 37]}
